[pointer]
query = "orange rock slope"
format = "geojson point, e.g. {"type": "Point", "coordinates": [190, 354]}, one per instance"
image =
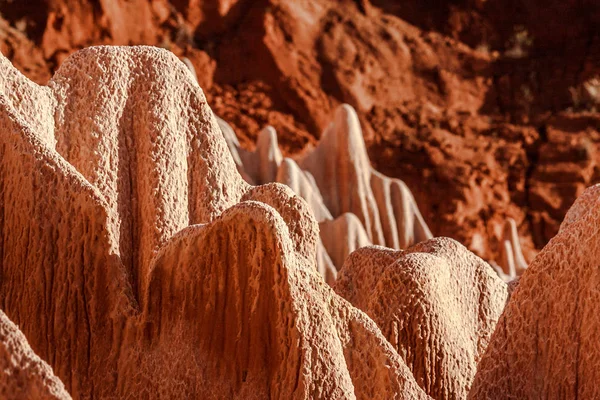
{"type": "Point", "coordinates": [545, 344]}
{"type": "Point", "coordinates": [23, 375]}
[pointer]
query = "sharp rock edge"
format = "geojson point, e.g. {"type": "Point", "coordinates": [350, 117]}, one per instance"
{"type": "Point", "coordinates": [351, 200]}
{"type": "Point", "coordinates": [345, 194]}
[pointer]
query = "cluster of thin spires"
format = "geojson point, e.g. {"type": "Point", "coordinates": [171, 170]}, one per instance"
{"type": "Point", "coordinates": [355, 205]}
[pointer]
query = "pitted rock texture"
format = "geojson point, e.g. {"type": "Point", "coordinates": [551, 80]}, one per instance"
{"type": "Point", "coordinates": [436, 303]}
{"type": "Point", "coordinates": [23, 375]}
{"type": "Point", "coordinates": [266, 305]}
{"type": "Point", "coordinates": [137, 261]}
{"type": "Point", "coordinates": [545, 344]}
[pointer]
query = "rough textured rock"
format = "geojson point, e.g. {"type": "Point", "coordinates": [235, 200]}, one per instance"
{"type": "Point", "coordinates": [142, 148]}
{"type": "Point", "coordinates": [478, 100]}
{"type": "Point", "coordinates": [298, 325]}
{"type": "Point", "coordinates": [545, 342]}
{"type": "Point", "coordinates": [436, 303]}
{"type": "Point", "coordinates": [23, 375]}
{"type": "Point", "coordinates": [158, 271]}
{"type": "Point", "coordinates": [265, 161]}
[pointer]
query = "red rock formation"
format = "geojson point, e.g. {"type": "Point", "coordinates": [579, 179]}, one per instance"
{"type": "Point", "coordinates": [436, 303]}
{"type": "Point", "coordinates": [303, 184]}
{"type": "Point", "coordinates": [268, 325]}
{"type": "Point", "coordinates": [341, 236]}
{"type": "Point", "coordinates": [545, 342]}
{"type": "Point", "coordinates": [348, 183]}
{"type": "Point", "coordinates": [23, 375]}
{"type": "Point", "coordinates": [138, 262]}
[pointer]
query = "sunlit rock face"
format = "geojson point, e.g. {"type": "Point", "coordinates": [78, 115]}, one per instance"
{"type": "Point", "coordinates": [436, 303]}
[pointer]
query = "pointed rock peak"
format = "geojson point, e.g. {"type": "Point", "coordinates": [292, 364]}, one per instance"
{"type": "Point", "coordinates": [302, 226]}
{"type": "Point", "coordinates": [512, 262]}
{"type": "Point", "coordinates": [289, 167]}
{"type": "Point", "coordinates": [303, 185]}
{"type": "Point", "coordinates": [346, 134]}
{"type": "Point", "coordinates": [134, 123]}
{"type": "Point", "coordinates": [267, 155]}
{"type": "Point", "coordinates": [267, 146]}
{"type": "Point", "coordinates": [267, 138]}
{"type": "Point", "coordinates": [586, 203]}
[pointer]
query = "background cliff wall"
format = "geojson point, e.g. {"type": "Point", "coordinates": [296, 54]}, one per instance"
{"type": "Point", "coordinates": [492, 105]}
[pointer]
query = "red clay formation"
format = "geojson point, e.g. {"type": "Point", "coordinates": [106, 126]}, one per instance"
{"type": "Point", "coordinates": [162, 274]}
{"type": "Point", "coordinates": [337, 181]}
{"type": "Point", "coordinates": [545, 345]}
{"type": "Point", "coordinates": [154, 247]}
